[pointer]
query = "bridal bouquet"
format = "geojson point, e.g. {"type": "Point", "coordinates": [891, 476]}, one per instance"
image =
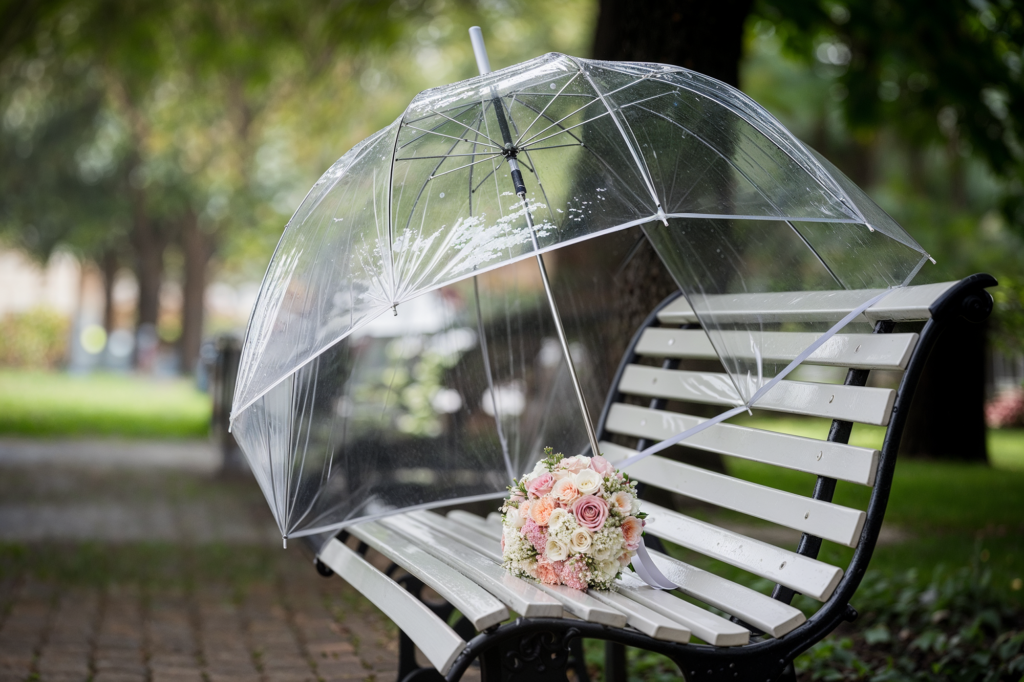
{"type": "Point", "coordinates": [572, 521]}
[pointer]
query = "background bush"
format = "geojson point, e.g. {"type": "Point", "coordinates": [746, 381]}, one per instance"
{"type": "Point", "coordinates": [37, 338]}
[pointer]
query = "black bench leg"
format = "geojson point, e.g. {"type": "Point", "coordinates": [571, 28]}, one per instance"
{"type": "Point", "coordinates": [615, 662]}
{"type": "Point", "coordinates": [789, 674]}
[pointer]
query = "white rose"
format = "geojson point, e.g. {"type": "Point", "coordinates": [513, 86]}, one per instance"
{"type": "Point", "coordinates": [515, 518]}
{"type": "Point", "coordinates": [539, 468]}
{"type": "Point", "coordinates": [588, 481]}
{"type": "Point", "coordinates": [636, 506]}
{"type": "Point", "coordinates": [556, 517]}
{"type": "Point", "coordinates": [555, 550]}
{"type": "Point", "coordinates": [607, 569]}
{"type": "Point", "coordinates": [580, 540]}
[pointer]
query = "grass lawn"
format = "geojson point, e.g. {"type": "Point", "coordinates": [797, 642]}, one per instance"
{"type": "Point", "coordinates": [52, 404]}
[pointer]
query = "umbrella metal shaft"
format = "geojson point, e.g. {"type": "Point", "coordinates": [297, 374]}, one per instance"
{"type": "Point", "coordinates": [591, 433]}
{"type": "Point", "coordinates": [483, 63]}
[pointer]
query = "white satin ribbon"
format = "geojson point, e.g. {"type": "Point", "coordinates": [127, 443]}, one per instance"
{"type": "Point", "coordinates": [642, 562]}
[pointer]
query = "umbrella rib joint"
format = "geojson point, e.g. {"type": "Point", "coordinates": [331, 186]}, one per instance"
{"type": "Point", "coordinates": [510, 152]}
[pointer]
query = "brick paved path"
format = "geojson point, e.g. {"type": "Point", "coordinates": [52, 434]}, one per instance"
{"type": "Point", "coordinates": [190, 604]}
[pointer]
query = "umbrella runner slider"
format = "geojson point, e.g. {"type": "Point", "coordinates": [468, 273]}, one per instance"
{"type": "Point", "coordinates": [510, 152]}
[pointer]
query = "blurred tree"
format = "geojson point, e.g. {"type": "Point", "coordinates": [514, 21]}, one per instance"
{"type": "Point", "coordinates": [946, 74]}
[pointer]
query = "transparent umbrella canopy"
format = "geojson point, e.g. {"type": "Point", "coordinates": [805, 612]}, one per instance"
{"type": "Point", "coordinates": [403, 351]}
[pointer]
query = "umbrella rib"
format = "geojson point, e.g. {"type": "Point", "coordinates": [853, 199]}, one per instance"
{"type": "Point", "coordinates": [569, 115]}
{"type": "Point", "coordinates": [552, 101]}
{"type": "Point", "coordinates": [597, 156]}
{"type": "Point", "coordinates": [636, 157]}
{"type": "Point", "coordinates": [419, 195]}
{"type": "Point", "coordinates": [468, 128]}
{"type": "Point", "coordinates": [460, 106]}
{"type": "Point", "coordinates": [593, 99]}
{"type": "Point", "coordinates": [842, 195]}
{"type": "Point", "coordinates": [440, 156]}
{"type": "Point", "coordinates": [554, 146]}
{"type": "Point", "coordinates": [493, 170]}
{"type": "Point", "coordinates": [490, 158]}
{"type": "Point", "coordinates": [421, 136]}
{"type": "Point", "coordinates": [721, 155]}
{"type": "Point", "coordinates": [534, 139]}
{"type": "Point", "coordinates": [451, 137]}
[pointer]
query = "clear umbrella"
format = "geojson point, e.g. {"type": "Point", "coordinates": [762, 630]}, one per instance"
{"type": "Point", "coordinates": [405, 351]}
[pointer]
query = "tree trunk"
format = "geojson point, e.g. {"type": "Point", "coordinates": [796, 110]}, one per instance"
{"type": "Point", "coordinates": [197, 248]}
{"type": "Point", "coordinates": [947, 415]}
{"type": "Point", "coordinates": [148, 245]}
{"type": "Point", "coordinates": [108, 267]}
{"type": "Point", "coordinates": [702, 36]}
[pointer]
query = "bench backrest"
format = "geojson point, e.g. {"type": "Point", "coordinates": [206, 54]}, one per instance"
{"type": "Point", "coordinates": [649, 383]}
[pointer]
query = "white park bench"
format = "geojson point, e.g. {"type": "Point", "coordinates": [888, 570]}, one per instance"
{"type": "Point", "coordinates": [743, 634]}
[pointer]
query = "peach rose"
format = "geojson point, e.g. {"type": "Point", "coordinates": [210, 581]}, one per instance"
{"type": "Point", "coordinates": [626, 557]}
{"type": "Point", "coordinates": [601, 465]}
{"type": "Point", "coordinates": [632, 529]}
{"type": "Point", "coordinates": [622, 502]}
{"type": "Point", "coordinates": [565, 490]}
{"type": "Point", "coordinates": [540, 510]}
{"type": "Point", "coordinates": [549, 572]}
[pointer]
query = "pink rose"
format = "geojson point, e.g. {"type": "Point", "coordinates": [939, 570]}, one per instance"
{"type": "Point", "coordinates": [632, 529]}
{"type": "Point", "coordinates": [549, 572]}
{"type": "Point", "coordinates": [576, 463]}
{"type": "Point", "coordinates": [601, 465]}
{"type": "Point", "coordinates": [590, 512]}
{"type": "Point", "coordinates": [541, 486]}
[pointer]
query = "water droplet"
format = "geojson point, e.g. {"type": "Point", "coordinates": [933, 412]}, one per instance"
{"type": "Point", "coordinates": [442, 195]}
{"type": "Point", "coordinates": [552, 86]}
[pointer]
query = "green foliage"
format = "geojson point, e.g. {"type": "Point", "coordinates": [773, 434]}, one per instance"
{"type": "Point", "coordinates": [34, 339]}
{"type": "Point", "coordinates": [934, 71]}
{"type": "Point", "coordinates": [950, 627]}
{"type": "Point", "coordinates": [54, 405]}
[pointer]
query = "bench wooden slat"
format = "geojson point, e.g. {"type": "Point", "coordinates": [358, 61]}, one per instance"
{"type": "Point", "coordinates": [760, 610]}
{"type": "Point", "coordinates": [704, 624]}
{"type": "Point", "coordinates": [907, 303]}
{"type": "Point", "coordinates": [522, 597]}
{"type": "Point", "coordinates": [822, 519]}
{"type": "Point", "coordinates": [475, 603]}
{"type": "Point", "coordinates": [477, 522]}
{"type": "Point", "coordinates": [808, 576]}
{"type": "Point", "coordinates": [849, 403]}
{"type": "Point", "coordinates": [578, 603]}
{"type": "Point", "coordinates": [821, 458]}
{"type": "Point", "coordinates": [857, 351]}
{"type": "Point", "coordinates": [648, 621]}
{"type": "Point", "coordinates": [438, 642]}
